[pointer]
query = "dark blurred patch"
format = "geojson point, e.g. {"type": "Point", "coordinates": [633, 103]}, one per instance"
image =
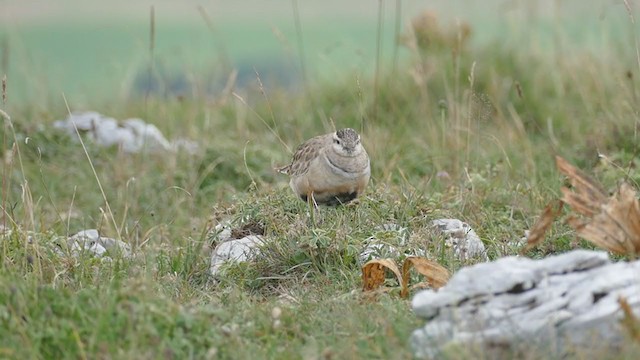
{"type": "Point", "coordinates": [167, 82]}
{"type": "Point", "coordinates": [251, 228]}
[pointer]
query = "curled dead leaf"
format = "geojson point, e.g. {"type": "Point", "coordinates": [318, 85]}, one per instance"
{"type": "Point", "coordinates": [373, 273]}
{"type": "Point", "coordinates": [540, 228]}
{"type": "Point", "coordinates": [436, 275]}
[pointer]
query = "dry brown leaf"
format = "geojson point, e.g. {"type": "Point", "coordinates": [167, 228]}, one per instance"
{"type": "Point", "coordinates": [588, 195]}
{"type": "Point", "coordinates": [373, 273]}
{"type": "Point", "coordinates": [617, 227]}
{"type": "Point", "coordinates": [578, 203]}
{"type": "Point", "coordinates": [436, 274]}
{"type": "Point", "coordinates": [629, 210]}
{"type": "Point", "coordinates": [612, 223]}
{"type": "Point", "coordinates": [539, 229]}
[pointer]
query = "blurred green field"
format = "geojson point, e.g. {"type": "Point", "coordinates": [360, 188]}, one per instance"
{"type": "Point", "coordinates": [96, 52]}
{"type": "Point", "coordinates": [93, 62]}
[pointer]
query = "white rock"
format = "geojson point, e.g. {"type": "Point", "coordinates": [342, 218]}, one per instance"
{"type": "Point", "coordinates": [276, 312]}
{"type": "Point", "coordinates": [90, 235]}
{"type": "Point", "coordinates": [189, 146]}
{"type": "Point", "coordinates": [91, 241]}
{"type": "Point", "coordinates": [563, 300]}
{"type": "Point", "coordinates": [462, 238]}
{"type": "Point", "coordinates": [84, 121]}
{"type": "Point", "coordinates": [222, 232]}
{"type": "Point", "coordinates": [238, 250]}
{"type": "Point", "coordinates": [146, 136]}
{"type": "Point", "coordinates": [93, 248]}
{"type": "Point", "coordinates": [132, 135]}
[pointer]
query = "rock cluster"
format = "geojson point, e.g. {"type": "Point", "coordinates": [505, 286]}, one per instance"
{"type": "Point", "coordinates": [85, 242]}
{"type": "Point", "coordinates": [131, 135]}
{"type": "Point", "coordinates": [462, 238]}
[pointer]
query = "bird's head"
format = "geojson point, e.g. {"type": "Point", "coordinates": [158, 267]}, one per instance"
{"type": "Point", "coordinates": [346, 142]}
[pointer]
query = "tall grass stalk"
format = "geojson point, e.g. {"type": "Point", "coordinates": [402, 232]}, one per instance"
{"type": "Point", "coordinates": [109, 212]}
{"type": "Point", "coordinates": [376, 78]}
{"type": "Point", "coordinates": [301, 52]}
{"type": "Point", "coordinates": [152, 46]}
{"type": "Point", "coordinates": [5, 179]}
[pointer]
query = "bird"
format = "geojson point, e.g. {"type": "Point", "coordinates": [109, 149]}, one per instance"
{"type": "Point", "coordinates": [330, 169]}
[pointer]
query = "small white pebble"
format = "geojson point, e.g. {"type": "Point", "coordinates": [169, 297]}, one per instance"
{"type": "Point", "coordinates": [229, 329]}
{"type": "Point", "coordinates": [276, 312]}
{"type": "Point", "coordinates": [212, 353]}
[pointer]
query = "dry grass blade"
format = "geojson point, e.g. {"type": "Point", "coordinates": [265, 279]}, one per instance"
{"type": "Point", "coordinates": [587, 196]}
{"type": "Point", "coordinates": [4, 115]}
{"type": "Point", "coordinates": [437, 276]}
{"type": "Point", "coordinates": [630, 321]}
{"type": "Point", "coordinates": [4, 89]}
{"type": "Point", "coordinates": [421, 285]}
{"type": "Point", "coordinates": [540, 228]}
{"type": "Point", "coordinates": [373, 273]}
{"type": "Point", "coordinates": [617, 227]}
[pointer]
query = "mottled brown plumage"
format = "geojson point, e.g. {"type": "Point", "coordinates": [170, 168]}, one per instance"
{"type": "Point", "coordinates": [329, 169]}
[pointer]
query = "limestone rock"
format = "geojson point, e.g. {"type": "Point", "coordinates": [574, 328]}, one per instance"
{"type": "Point", "coordinates": [238, 250]}
{"type": "Point", "coordinates": [559, 304]}
{"type": "Point", "coordinates": [131, 135]}
{"type": "Point", "coordinates": [234, 250]}
{"type": "Point", "coordinates": [462, 238]}
{"type": "Point", "coordinates": [91, 241]}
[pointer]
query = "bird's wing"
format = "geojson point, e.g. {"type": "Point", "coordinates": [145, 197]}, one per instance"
{"type": "Point", "coordinates": [284, 169]}
{"type": "Point", "coordinates": [305, 153]}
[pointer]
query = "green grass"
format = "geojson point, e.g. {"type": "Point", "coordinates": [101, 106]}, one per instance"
{"type": "Point", "coordinates": [496, 141]}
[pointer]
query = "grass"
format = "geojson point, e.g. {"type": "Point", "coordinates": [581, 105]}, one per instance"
{"type": "Point", "coordinates": [489, 119]}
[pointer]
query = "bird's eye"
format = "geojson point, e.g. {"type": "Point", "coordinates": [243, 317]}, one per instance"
{"type": "Point", "coordinates": [337, 141]}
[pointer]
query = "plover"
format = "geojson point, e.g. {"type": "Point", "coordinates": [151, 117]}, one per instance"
{"type": "Point", "coordinates": [329, 169]}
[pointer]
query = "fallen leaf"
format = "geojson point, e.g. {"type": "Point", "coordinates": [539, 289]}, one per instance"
{"type": "Point", "coordinates": [540, 228]}
{"type": "Point", "coordinates": [617, 227]}
{"type": "Point", "coordinates": [588, 195]}
{"type": "Point", "coordinates": [373, 273]}
{"type": "Point", "coordinates": [611, 223]}
{"type": "Point", "coordinates": [437, 276]}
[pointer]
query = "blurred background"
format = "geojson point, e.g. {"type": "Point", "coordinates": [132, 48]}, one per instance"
{"type": "Point", "coordinates": [97, 51]}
